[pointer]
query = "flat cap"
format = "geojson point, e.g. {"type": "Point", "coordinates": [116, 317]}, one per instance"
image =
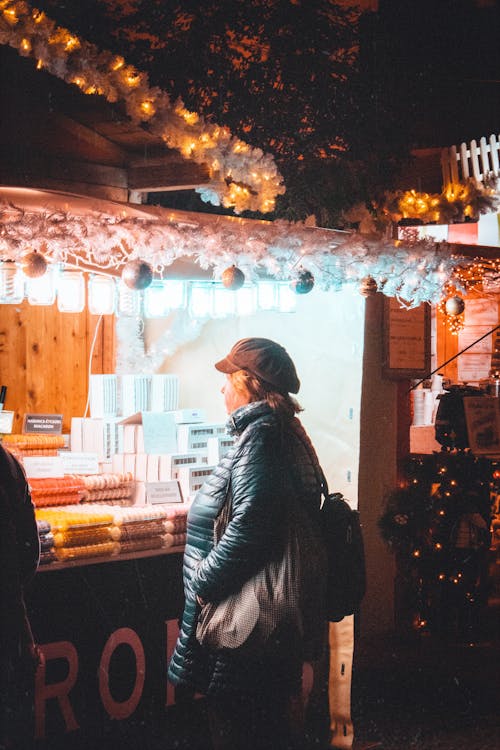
{"type": "Point", "coordinates": [265, 359]}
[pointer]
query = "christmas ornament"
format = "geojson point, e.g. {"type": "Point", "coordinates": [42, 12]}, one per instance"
{"type": "Point", "coordinates": [33, 264]}
{"type": "Point", "coordinates": [368, 286]}
{"type": "Point", "coordinates": [303, 283]}
{"type": "Point", "coordinates": [233, 278]}
{"type": "Point", "coordinates": [137, 274]}
{"type": "Point", "coordinates": [454, 306]}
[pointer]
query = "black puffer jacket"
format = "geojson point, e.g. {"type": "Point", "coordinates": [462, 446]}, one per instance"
{"type": "Point", "coordinates": [266, 453]}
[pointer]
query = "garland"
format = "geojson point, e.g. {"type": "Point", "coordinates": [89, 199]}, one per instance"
{"type": "Point", "coordinates": [414, 271]}
{"type": "Point", "coordinates": [243, 177]}
{"type": "Point", "coordinates": [457, 203]}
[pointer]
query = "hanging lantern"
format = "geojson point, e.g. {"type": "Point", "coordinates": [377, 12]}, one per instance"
{"type": "Point", "coordinates": [33, 264]}
{"type": "Point", "coordinates": [233, 278]}
{"type": "Point", "coordinates": [454, 306]}
{"type": "Point", "coordinates": [137, 274]}
{"type": "Point", "coordinates": [303, 283]}
{"type": "Point", "coordinates": [368, 286]}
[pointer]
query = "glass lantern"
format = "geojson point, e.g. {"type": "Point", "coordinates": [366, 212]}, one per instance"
{"type": "Point", "coordinates": [71, 291]}
{"type": "Point", "coordinates": [11, 283]}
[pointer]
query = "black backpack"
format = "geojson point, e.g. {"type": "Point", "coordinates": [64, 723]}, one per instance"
{"type": "Point", "coordinates": [343, 538]}
{"type": "Point", "coordinates": [341, 528]}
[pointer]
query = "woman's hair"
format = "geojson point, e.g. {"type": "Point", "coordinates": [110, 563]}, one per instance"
{"type": "Point", "coordinates": [259, 390]}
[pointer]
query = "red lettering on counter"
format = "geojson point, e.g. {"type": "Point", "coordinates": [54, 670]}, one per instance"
{"type": "Point", "coordinates": [60, 690]}
{"type": "Point", "coordinates": [123, 709]}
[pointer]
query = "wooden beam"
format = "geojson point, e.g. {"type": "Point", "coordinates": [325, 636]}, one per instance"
{"type": "Point", "coordinates": [169, 175]}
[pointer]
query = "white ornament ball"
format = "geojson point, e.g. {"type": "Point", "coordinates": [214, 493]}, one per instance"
{"type": "Point", "coordinates": [33, 264]}
{"type": "Point", "coordinates": [455, 306]}
{"type": "Point", "coordinates": [137, 274]}
{"type": "Point", "coordinates": [233, 278]}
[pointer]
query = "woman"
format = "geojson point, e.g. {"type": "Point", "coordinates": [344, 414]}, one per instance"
{"type": "Point", "coordinates": [252, 691]}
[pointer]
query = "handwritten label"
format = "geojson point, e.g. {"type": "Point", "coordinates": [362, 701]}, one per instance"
{"type": "Point", "coordinates": [79, 463]}
{"type": "Point", "coordinates": [163, 492]}
{"type": "Point", "coordinates": [43, 466]}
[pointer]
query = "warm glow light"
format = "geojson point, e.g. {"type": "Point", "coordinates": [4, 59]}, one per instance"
{"type": "Point", "coordinates": [161, 297]}
{"type": "Point", "coordinates": [224, 301]}
{"type": "Point", "coordinates": [129, 301]}
{"type": "Point", "coordinates": [11, 283]}
{"type": "Point", "coordinates": [147, 108]}
{"type": "Point", "coordinates": [102, 295]}
{"type": "Point", "coordinates": [42, 289]}
{"type": "Point", "coordinates": [201, 301]}
{"type": "Point", "coordinates": [71, 291]}
{"type": "Point", "coordinates": [117, 63]}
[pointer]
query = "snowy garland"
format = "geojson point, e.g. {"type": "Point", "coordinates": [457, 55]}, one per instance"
{"type": "Point", "coordinates": [414, 270]}
{"type": "Point", "coordinates": [457, 203]}
{"type": "Point", "coordinates": [243, 177]}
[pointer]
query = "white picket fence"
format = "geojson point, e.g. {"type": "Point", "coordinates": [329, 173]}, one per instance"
{"type": "Point", "coordinates": [471, 160]}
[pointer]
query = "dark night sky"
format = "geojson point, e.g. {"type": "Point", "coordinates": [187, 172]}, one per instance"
{"type": "Point", "coordinates": [427, 75]}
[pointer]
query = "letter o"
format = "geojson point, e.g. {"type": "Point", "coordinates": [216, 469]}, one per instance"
{"type": "Point", "coordinates": [115, 709]}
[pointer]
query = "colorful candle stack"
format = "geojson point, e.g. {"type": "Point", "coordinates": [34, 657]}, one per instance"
{"type": "Point", "coordinates": [139, 528]}
{"type": "Point", "coordinates": [33, 445]}
{"type": "Point", "coordinates": [176, 527]}
{"type": "Point", "coordinates": [79, 532]}
{"type": "Point", "coordinates": [52, 491]}
{"type": "Point", "coordinates": [46, 537]}
{"type": "Point", "coordinates": [108, 488]}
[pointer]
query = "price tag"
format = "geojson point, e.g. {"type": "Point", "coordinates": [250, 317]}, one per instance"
{"type": "Point", "coordinates": [163, 492]}
{"type": "Point", "coordinates": [43, 466]}
{"type": "Point", "coordinates": [6, 421]}
{"type": "Point", "coordinates": [79, 463]}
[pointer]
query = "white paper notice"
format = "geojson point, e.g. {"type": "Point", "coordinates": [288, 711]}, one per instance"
{"type": "Point", "coordinates": [160, 432]}
{"type": "Point", "coordinates": [43, 466]}
{"type": "Point", "coordinates": [163, 492]}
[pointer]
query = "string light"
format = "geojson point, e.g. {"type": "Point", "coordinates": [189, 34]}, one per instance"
{"type": "Point", "coordinates": [70, 58]}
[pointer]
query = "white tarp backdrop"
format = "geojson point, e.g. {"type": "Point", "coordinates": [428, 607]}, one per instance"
{"type": "Point", "coordinates": [324, 337]}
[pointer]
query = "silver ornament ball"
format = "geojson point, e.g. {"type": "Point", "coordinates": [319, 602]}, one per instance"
{"type": "Point", "coordinates": [137, 274]}
{"type": "Point", "coordinates": [368, 286]}
{"type": "Point", "coordinates": [303, 283]}
{"type": "Point", "coordinates": [33, 265]}
{"type": "Point", "coordinates": [233, 278]}
{"type": "Point", "coordinates": [454, 306]}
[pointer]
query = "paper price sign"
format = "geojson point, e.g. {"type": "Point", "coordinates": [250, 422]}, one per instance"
{"type": "Point", "coordinates": [163, 492]}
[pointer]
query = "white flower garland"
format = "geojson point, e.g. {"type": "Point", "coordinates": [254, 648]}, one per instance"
{"type": "Point", "coordinates": [243, 177]}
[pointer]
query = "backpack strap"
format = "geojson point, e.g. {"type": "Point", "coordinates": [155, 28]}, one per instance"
{"type": "Point", "coordinates": [320, 475]}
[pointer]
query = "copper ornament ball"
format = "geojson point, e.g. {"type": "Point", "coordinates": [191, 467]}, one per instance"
{"type": "Point", "coordinates": [368, 286]}
{"type": "Point", "coordinates": [33, 265]}
{"type": "Point", "coordinates": [303, 283]}
{"type": "Point", "coordinates": [233, 278]}
{"type": "Point", "coordinates": [454, 306]}
{"type": "Point", "coordinates": [137, 274]}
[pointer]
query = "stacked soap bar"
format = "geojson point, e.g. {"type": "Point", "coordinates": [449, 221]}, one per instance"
{"type": "Point", "coordinates": [141, 528]}
{"type": "Point", "coordinates": [108, 487]}
{"type": "Point", "coordinates": [100, 529]}
{"type": "Point", "coordinates": [46, 537]}
{"type": "Point", "coordinates": [33, 445]}
{"type": "Point", "coordinates": [55, 491]}
{"type": "Point", "coordinates": [79, 532]}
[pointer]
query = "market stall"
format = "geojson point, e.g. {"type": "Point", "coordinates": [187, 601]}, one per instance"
{"type": "Point", "coordinates": [91, 286]}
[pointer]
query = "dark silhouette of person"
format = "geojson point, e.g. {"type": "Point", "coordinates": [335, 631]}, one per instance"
{"type": "Point", "coordinates": [19, 558]}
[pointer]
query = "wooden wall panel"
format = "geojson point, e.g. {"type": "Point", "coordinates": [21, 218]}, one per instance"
{"type": "Point", "coordinates": [44, 359]}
